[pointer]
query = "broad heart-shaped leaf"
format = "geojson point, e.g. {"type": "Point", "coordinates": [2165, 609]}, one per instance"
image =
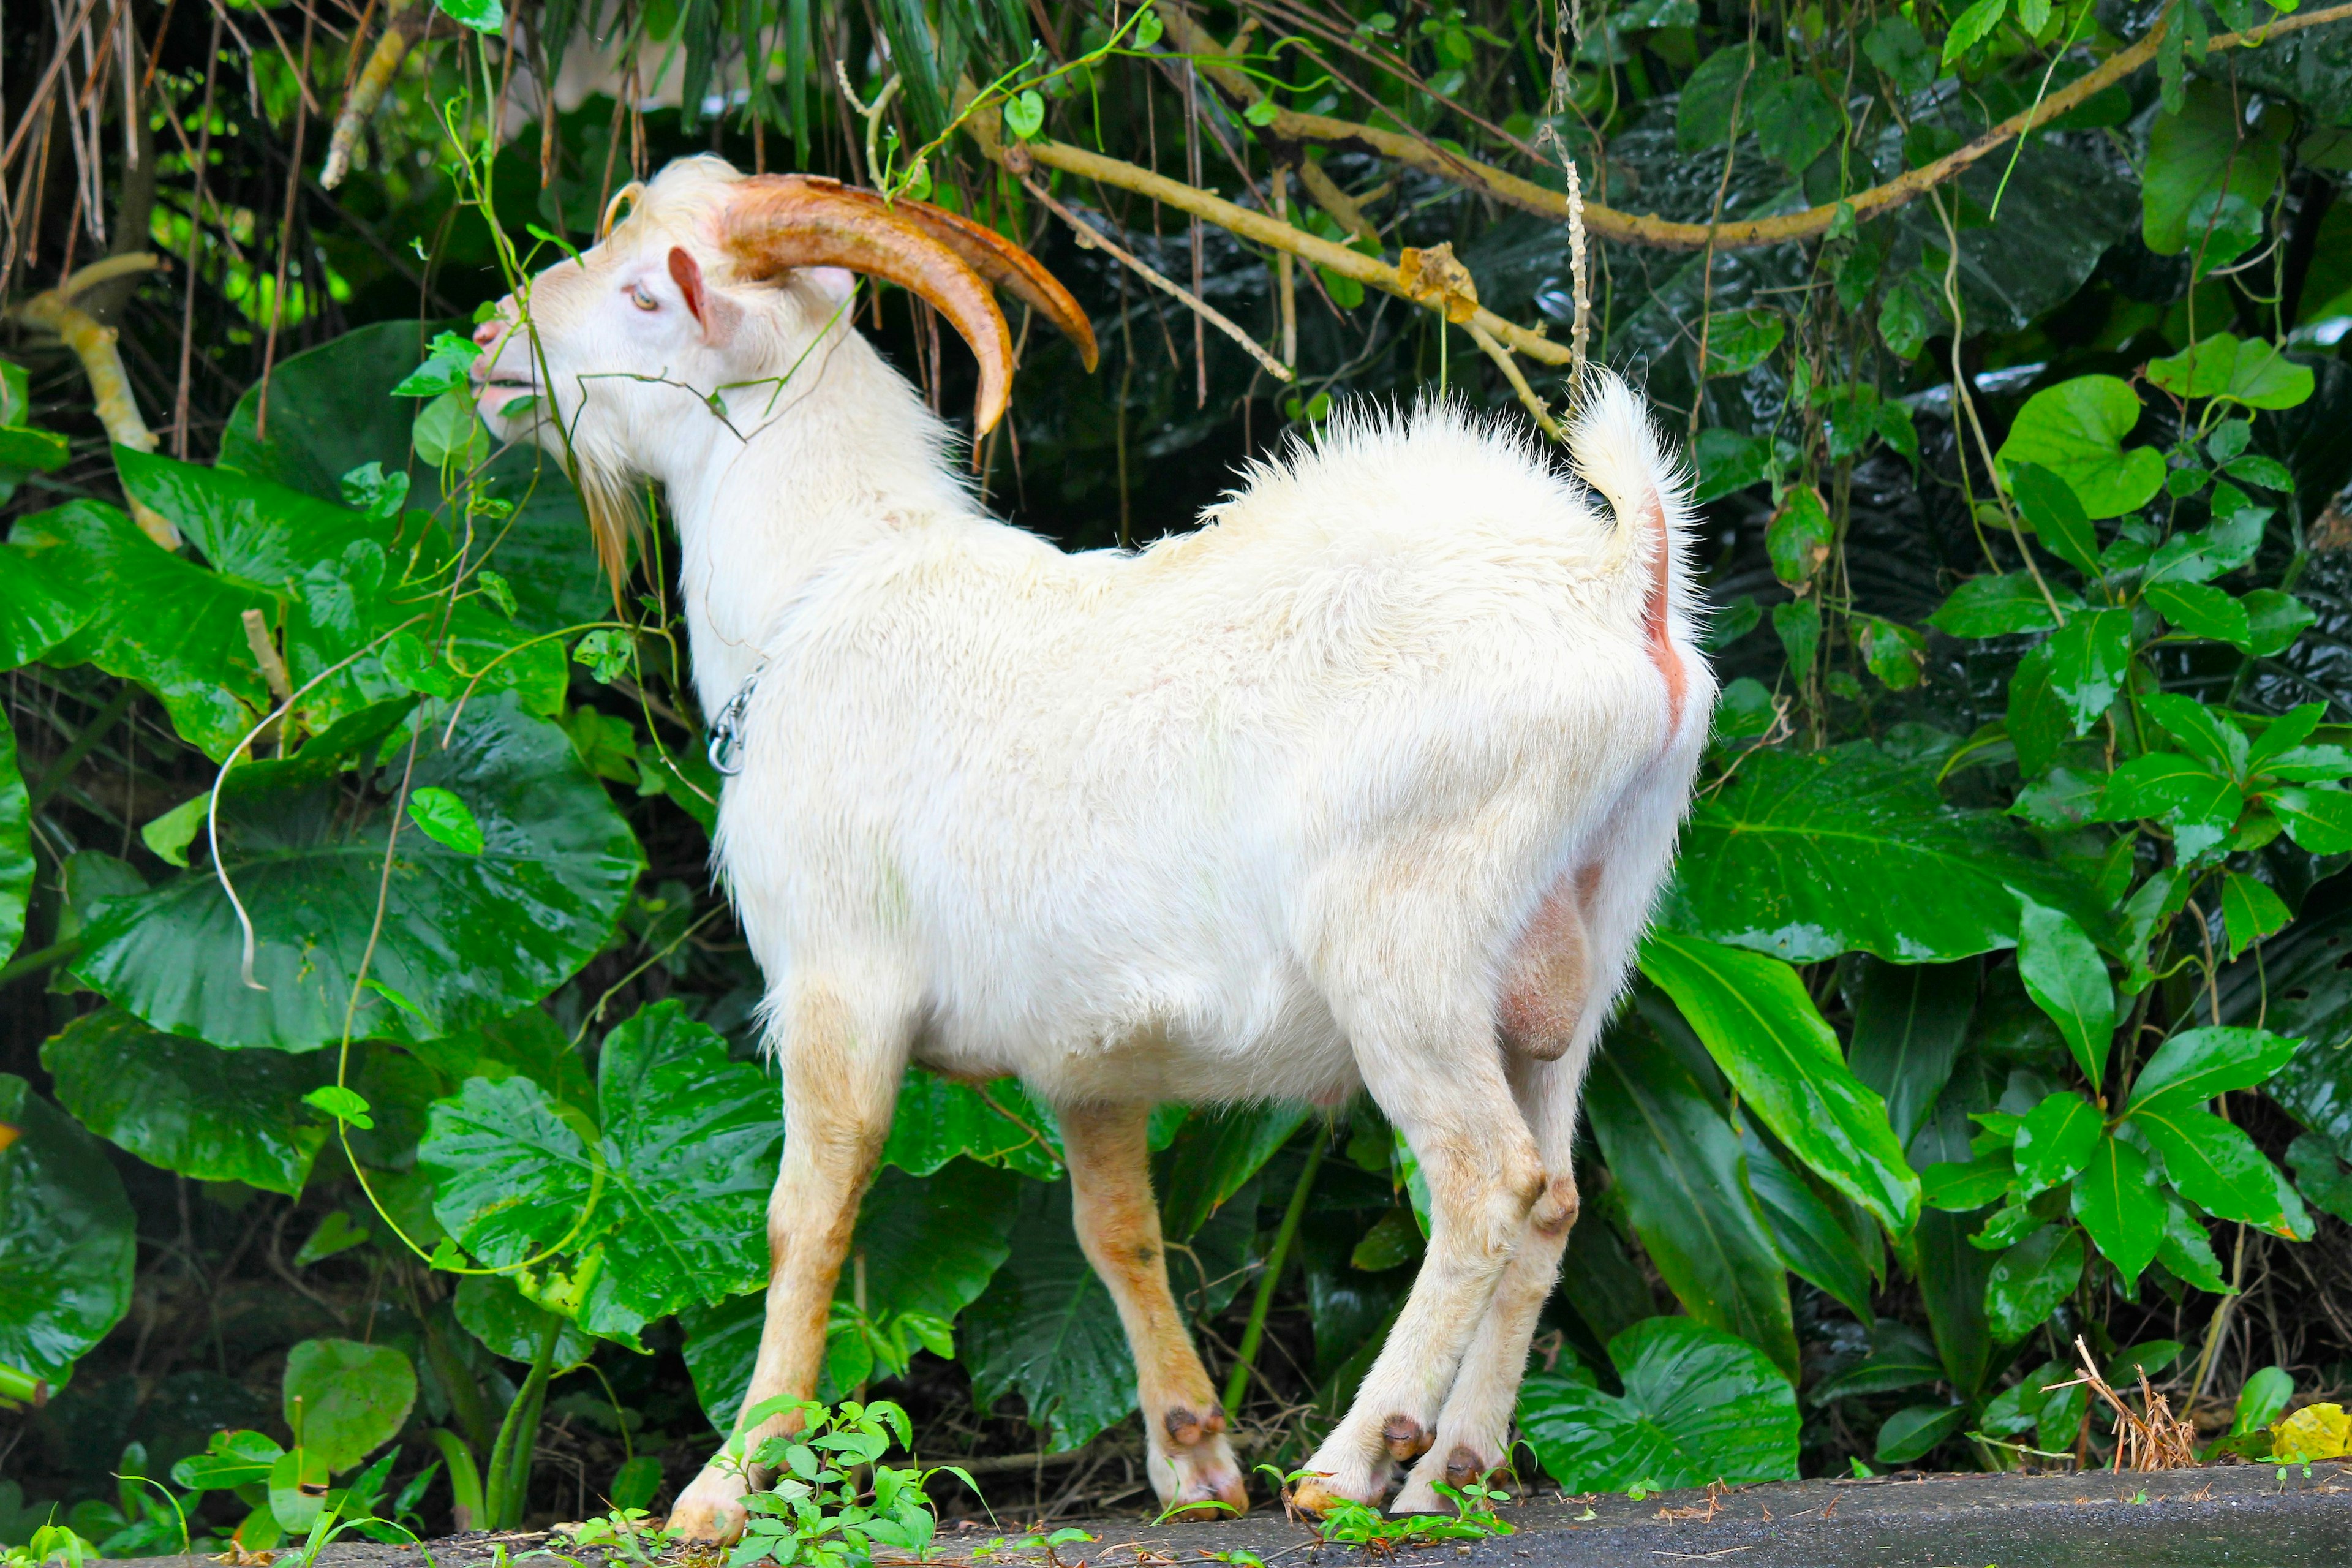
{"type": "Point", "coordinates": [1763, 1030]}
{"type": "Point", "coordinates": [260, 533]}
{"type": "Point", "coordinates": [928, 1245]}
{"type": "Point", "coordinates": [2067, 980]}
{"type": "Point", "coordinates": [332, 410]}
{"type": "Point", "coordinates": [16, 844]}
{"type": "Point", "coordinates": [1909, 1020]}
{"type": "Point", "coordinates": [996, 1124]}
{"type": "Point", "coordinates": [509, 1324]}
{"type": "Point", "coordinates": [512, 1173]}
{"type": "Point", "coordinates": [2194, 156]}
{"type": "Point", "coordinates": [2055, 1140]}
{"type": "Point", "coordinates": [213, 1115]}
{"type": "Point", "coordinates": [67, 1238]}
{"type": "Point", "coordinates": [690, 1140]}
{"type": "Point", "coordinates": [530, 1043]}
{"type": "Point", "coordinates": [2254, 372]}
{"type": "Point", "coordinates": [2077, 430]}
{"type": "Point", "coordinates": [39, 606]}
{"type": "Point", "coordinates": [1680, 1166]}
{"type": "Point", "coordinates": [465, 939]}
{"type": "Point", "coordinates": [1699, 1407]}
{"type": "Point", "coordinates": [2116, 1201]}
{"type": "Point", "coordinates": [1215, 1157]}
{"type": "Point", "coordinates": [1808, 856]}
{"type": "Point", "coordinates": [1046, 1330]}
{"type": "Point", "coordinates": [2214, 1164]}
{"type": "Point", "coordinates": [161, 621]}
{"type": "Point", "coordinates": [353, 1397]}
{"type": "Point", "coordinates": [2198, 1064]}
{"type": "Point", "coordinates": [2031, 1279]}
{"type": "Point", "coordinates": [2089, 657]}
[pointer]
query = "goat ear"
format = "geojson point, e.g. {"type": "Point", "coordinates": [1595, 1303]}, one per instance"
{"type": "Point", "coordinates": [717, 314]}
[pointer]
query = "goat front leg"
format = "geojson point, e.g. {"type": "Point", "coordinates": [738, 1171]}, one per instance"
{"type": "Point", "coordinates": [840, 1073]}
{"type": "Point", "coordinates": [1455, 1110]}
{"type": "Point", "coordinates": [1187, 1457]}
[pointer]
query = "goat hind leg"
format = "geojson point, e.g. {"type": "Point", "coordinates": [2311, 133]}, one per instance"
{"type": "Point", "coordinates": [1190, 1462]}
{"type": "Point", "coordinates": [841, 1075]}
{"type": "Point", "coordinates": [1455, 1109]}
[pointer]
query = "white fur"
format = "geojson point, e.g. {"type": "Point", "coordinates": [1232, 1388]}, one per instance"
{"type": "Point", "coordinates": [1257, 812]}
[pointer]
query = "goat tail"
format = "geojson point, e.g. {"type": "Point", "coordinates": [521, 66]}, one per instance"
{"type": "Point", "coordinates": [1616, 450]}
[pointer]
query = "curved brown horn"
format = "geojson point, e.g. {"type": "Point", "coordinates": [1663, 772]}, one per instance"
{"type": "Point", "coordinates": [777, 222]}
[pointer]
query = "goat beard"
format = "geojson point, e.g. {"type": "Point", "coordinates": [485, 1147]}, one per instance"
{"type": "Point", "coordinates": [612, 497]}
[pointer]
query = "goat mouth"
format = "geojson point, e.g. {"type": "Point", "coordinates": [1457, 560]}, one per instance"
{"type": "Point", "coordinates": [492, 394]}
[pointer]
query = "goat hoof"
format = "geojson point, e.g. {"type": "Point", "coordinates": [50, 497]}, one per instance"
{"type": "Point", "coordinates": [1186, 1430]}
{"type": "Point", "coordinates": [1404, 1437]}
{"type": "Point", "coordinates": [711, 1509]}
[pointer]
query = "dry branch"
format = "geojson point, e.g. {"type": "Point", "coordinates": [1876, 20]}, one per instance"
{"type": "Point", "coordinates": [402, 29]}
{"type": "Point", "coordinates": [101, 361]}
{"type": "Point", "coordinates": [1636, 229]}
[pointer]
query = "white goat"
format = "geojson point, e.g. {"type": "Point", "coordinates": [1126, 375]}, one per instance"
{"type": "Point", "coordinates": [1367, 785]}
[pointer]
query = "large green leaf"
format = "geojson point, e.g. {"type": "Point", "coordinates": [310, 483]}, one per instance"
{"type": "Point", "coordinates": [2068, 980]}
{"type": "Point", "coordinates": [161, 621]}
{"type": "Point", "coordinates": [2117, 1201]}
{"type": "Point", "coordinates": [465, 938]}
{"type": "Point", "coordinates": [332, 410]}
{"type": "Point", "coordinates": [997, 1123]}
{"type": "Point", "coordinates": [2030, 1279]}
{"type": "Point", "coordinates": [2202, 153]}
{"type": "Point", "coordinates": [1808, 856]}
{"type": "Point", "coordinates": [690, 1142]}
{"type": "Point", "coordinates": [68, 1239]}
{"type": "Point", "coordinates": [1813, 1242]}
{"type": "Point", "coordinates": [512, 1173]}
{"type": "Point", "coordinates": [2196, 1064]}
{"type": "Point", "coordinates": [510, 1323]}
{"type": "Point", "coordinates": [344, 1399]}
{"type": "Point", "coordinates": [530, 1043]}
{"type": "Point", "coordinates": [1679, 1164]}
{"type": "Point", "coordinates": [1699, 1407]}
{"type": "Point", "coordinates": [1909, 1020]}
{"type": "Point", "coordinates": [16, 844]}
{"type": "Point", "coordinates": [1047, 1330]}
{"type": "Point", "coordinates": [1215, 1157]}
{"type": "Point", "coordinates": [1951, 1274]}
{"type": "Point", "coordinates": [2214, 1164]}
{"type": "Point", "coordinates": [2077, 430]}
{"type": "Point", "coordinates": [39, 606]}
{"type": "Point", "coordinates": [215, 1115]}
{"type": "Point", "coordinates": [928, 1244]}
{"type": "Point", "coordinates": [1763, 1030]}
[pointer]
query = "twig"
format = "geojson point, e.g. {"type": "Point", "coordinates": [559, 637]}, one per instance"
{"type": "Point", "coordinates": [1091, 239]}
{"type": "Point", "coordinates": [1534, 406]}
{"type": "Point", "coordinates": [402, 29]}
{"type": "Point", "coordinates": [101, 361]}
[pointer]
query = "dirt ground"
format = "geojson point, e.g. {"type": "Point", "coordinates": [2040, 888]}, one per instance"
{"type": "Point", "coordinates": [2244, 1516]}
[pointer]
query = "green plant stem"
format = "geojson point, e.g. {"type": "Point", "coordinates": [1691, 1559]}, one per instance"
{"type": "Point", "coordinates": [94, 732]}
{"type": "Point", "coordinates": [464, 1479]}
{"type": "Point", "coordinates": [1237, 1381]}
{"type": "Point", "coordinates": [518, 1436]}
{"type": "Point", "coordinates": [32, 963]}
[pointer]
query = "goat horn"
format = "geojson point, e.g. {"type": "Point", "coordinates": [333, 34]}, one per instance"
{"type": "Point", "coordinates": [777, 222]}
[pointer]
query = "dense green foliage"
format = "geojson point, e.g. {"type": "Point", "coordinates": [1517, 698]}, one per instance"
{"type": "Point", "coordinates": [382, 1116]}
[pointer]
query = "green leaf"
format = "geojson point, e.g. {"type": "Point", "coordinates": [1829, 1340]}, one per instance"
{"type": "Point", "coordinates": [2116, 1201]}
{"type": "Point", "coordinates": [353, 1398]}
{"type": "Point", "coordinates": [2261, 1400]}
{"type": "Point", "coordinates": [2201, 805]}
{"type": "Point", "coordinates": [511, 1171]}
{"type": "Point", "coordinates": [213, 1115]}
{"type": "Point", "coordinates": [1916, 1428]}
{"type": "Point", "coordinates": [1025, 114]}
{"type": "Point", "coordinates": [444, 818]}
{"type": "Point", "coordinates": [1728, 461]}
{"type": "Point", "coordinates": [2208, 733]}
{"type": "Point", "coordinates": [1763, 1030]}
{"type": "Point", "coordinates": [334, 1233]}
{"type": "Point", "coordinates": [67, 1238]}
{"type": "Point", "coordinates": [2049, 503]}
{"type": "Point", "coordinates": [1895, 654]}
{"type": "Point", "coordinates": [1900, 1357]}
{"type": "Point", "coordinates": [1996, 605]}
{"type": "Point", "coordinates": [2203, 610]}
{"type": "Point", "coordinates": [2214, 1164]}
{"type": "Point", "coordinates": [2319, 1176]}
{"type": "Point", "coordinates": [2054, 1140]}
{"type": "Point", "coordinates": [2252, 372]}
{"type": "Point", "coordinates": [1047, 1330]}
{"type": "Point", "coordinates": [39, 606]}
{"type": "Point", "coordinates": [1699, 1407]}
{"type": "Point", "coordinates": [1704, 111]}
{"type": "Point", "coordinates": [485, 17]}
{"type": "Point", "coordinates": [169, 624]}
{"type": "Point", "coordinates": [2067, 980]}
{"type": "Point", "coordinates": [2196, 1064]}
{"type": "Point", "coordinates": [1895, 47]}
{"type": "Point", "coordinates": [2077, 430]}
{"type": "Point", "coordinates": [1909, 1020]}
{"type": "Point", "coordinates": [2320, 820]}
{"type": "Point", "coordinates": [1903, 323]}
{"type": "Point", "coordinates": [529, 1044]}
{"type": "Point", "coordinates": [1215, 1157]}
{"type": "Point", "coordinates": [296, 1491]}
{"type": "Point", "coordinates": [2195, 155]}
{"type": "Point", "coordinates": [1798, 538]}
{"type": "Point", "coordinates": [1951, 1274]}
{"type": "Point", "coordinates": [466, 938]}
{"type": "Point", "coordinates": [231, 1459]}
{"type": "Point", "coordinates": [1812, 1241]}
{"type": "Point", "coordinates": [2089, 657]}
{"type": "Point", "coordinates": [2031, 1279]}
{"type": "Point", "coordinates": [1795, 122]}
{"type": "Point", "coordinates": [16, 844]}
{"type": "Point", "coordinates": [1680, 1166]}
{"type": "Point", "coordinates": [42, 451]}
{"type": "Point", "coordinates": [1798, 624]}
{"type": "Point", "coordinates": [1739, 341]}
{"type": "Point", "coordinates": [1806, 857]}
{"type": "Point", "coordinates": [1972, 27]}
{"type": "Point", "coordinates": [929, 1246]}
{"type": "Point", "coordinates": [509, 1324]}
{"type": "Point", "coordinates": [1962, 1186]}
{"type": "Point", "coordinates": [2038, 723]}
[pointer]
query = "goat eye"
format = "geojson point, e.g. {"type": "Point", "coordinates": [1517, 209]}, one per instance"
{"type": "Point", "coordinates": [641, 299]}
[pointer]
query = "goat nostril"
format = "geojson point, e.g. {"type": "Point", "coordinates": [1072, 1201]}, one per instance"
{"type": "Point", "coordinates": [488, 332]}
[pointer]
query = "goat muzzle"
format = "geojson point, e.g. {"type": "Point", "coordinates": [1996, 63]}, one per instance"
{"type": "Point", "coordinates": [778, 222]}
